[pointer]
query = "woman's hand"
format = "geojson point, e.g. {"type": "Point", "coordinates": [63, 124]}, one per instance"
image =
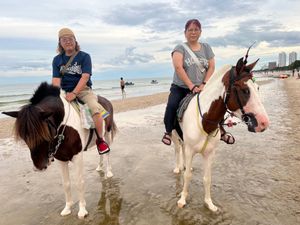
{"type": "Point", "coordinates": [197, 88]}
{"type": "Point", "coordinates": [70, 96]}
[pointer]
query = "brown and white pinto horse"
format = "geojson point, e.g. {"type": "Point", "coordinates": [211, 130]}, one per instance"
{"type": "Point", "coordinates": [230, 89]}
{"type": "Point", "coordinates": [43, 121]}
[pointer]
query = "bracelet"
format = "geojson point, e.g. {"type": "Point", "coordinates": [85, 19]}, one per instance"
{"type": "Point", "coordinates": [204, 82]}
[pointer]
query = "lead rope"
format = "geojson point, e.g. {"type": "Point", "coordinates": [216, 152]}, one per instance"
{"type": "Point", "coordinates": [60, 137]}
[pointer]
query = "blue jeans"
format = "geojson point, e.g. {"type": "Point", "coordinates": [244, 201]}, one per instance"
{"type": "Point", "coordinates": [176, 95]}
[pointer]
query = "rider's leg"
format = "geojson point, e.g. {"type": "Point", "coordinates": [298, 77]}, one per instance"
{"type": "Point", "coordinates": [88, 97]}
{"type": "Point", "coordinates": [176, 95]}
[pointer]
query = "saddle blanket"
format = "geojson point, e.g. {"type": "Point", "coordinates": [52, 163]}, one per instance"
{"type": "Point", "coordinates": [183, 106]}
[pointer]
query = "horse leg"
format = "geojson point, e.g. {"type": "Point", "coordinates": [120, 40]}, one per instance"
{"type": "Point", "coordinates": [106, 165]}
{"type": "Point", "coordinates": [207, 180]}
{"type": "Point", "coordinates": [100, 166]}
{"type": "Point", "coordinates": [187, 177]}
{"type": "Point", "coordinates": [78, 162]}
{"type": "Point", "coordinates": [178, 154]}
{"type": "Point", "coordinates": [67, 187]}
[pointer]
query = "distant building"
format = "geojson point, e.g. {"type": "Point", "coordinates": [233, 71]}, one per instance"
{"type": "Point", "coordinates": [292, 57]}
{"type": "Point", "coordinates": [282, 59]}
{"type": "Point", "coordinates": [272, 65]}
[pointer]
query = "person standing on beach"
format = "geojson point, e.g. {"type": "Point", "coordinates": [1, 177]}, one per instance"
{"type": "Point", "coordinates": [188, 76]}
{"type": "Point", "coordinates": [71, 71]}
{"type": "Point", "coordinates": [122, 85]}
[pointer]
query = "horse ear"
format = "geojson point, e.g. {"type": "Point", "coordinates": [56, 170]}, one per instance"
{"type": "Point", "coordinates": [252, 65]}
{"type": "Point", "coordinates": [45, 115]}
{"type": "Point", "coordinates": [239, 65]}
{"type": "Point", "coordinates": [12, 113]}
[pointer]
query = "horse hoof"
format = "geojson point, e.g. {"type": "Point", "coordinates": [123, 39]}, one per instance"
{"type": "Point", "coordinates": [109, 174]}
{"type": "Point", "coordinates": [180, 204]}
{"type": "Point", "coordinates": [176, 170]}
{"type": "Point", "coordinates": [211, 207]}
{"type": "Point", "coordinates": [65, 212]}
{"type": "Point", "coordinates": [82, 214]}
{"type": "Point", "coordinates": [99, 169]}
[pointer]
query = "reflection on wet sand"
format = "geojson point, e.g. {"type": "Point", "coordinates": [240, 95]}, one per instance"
{"type": "Point", "coordinates": [110, 202]}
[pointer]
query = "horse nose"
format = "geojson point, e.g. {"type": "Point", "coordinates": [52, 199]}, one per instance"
{"type": "Point", "coordinates": [264, 123]}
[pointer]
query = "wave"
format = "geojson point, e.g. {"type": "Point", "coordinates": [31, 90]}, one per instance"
{"type": "Point", "coordinates": [16, 102]}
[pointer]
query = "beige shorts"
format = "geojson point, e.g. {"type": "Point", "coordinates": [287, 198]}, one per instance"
{"type": "Point", "coordinates": [91, 99]}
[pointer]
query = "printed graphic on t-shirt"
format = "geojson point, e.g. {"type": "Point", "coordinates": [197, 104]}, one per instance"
{"type": "Point", "coordinates": [74, 69]}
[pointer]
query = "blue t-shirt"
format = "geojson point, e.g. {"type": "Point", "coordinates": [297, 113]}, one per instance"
{"type": "Point", "coordinates": [82, 63]}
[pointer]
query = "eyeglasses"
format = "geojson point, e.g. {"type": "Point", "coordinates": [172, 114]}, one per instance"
{"type": "Point", "coordinates": [193, 30]}
{"type": "Point", "coordinates": [66, 39]}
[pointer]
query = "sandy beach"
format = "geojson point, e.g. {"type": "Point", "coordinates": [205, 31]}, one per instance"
{"type": "Point", "coordinates": [255, 181]}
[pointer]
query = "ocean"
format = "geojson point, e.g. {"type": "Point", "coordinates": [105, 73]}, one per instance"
{"type": "Point", "coordinates": [14, 96]}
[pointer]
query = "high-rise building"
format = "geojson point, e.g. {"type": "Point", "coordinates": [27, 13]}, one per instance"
{"type": "Point", "coordinates": [292, 57]}
{"type": "Point", "coordinates": [271, 65]}
{"type": "Point", "coordinates": [282, 59]}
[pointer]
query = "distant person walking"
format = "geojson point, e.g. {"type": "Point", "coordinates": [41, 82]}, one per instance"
{"type": "Point", "coordinates": [122, 85]}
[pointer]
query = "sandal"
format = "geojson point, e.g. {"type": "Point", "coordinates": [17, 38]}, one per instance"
{"type": "Point", "coordinates": [166, 139]}
{"type": "Point", "coordinates": [227, 138]}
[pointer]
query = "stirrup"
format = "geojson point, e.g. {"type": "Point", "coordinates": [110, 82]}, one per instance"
{"type": "Point", "coordinates": [227, 138]}
{"type": "Point", "coordinates": [167, 139]}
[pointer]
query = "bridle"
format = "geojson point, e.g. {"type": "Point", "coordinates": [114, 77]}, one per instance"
{"type": "Point", "coordinates": [57, 136]}
{"type": "Point", "coordinates": [248, 118]}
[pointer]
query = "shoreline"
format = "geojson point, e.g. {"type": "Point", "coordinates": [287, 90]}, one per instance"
{"type": "Point", "coordinates": [119, 105]}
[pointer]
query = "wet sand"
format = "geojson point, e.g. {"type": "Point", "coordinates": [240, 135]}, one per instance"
{"type": "Point", "coordinates": [255, 181]}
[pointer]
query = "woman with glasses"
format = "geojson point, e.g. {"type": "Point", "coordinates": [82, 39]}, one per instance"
{"type": "Point", "coordinates": [194, 64]}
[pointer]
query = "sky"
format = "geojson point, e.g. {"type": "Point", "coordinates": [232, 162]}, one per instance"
{"type": "Point", "coordinates": [135, 38]}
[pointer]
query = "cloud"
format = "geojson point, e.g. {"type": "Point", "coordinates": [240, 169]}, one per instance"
{"type": "Point", "coordinates": [131, 58]}
{"type": "Point", "coordinates": [260, 31]}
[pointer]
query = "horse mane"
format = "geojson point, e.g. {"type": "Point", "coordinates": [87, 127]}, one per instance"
{"type": "Point", "coordinates": [44, 90]}
{"type": "Point", "coordinates": [30, 126]}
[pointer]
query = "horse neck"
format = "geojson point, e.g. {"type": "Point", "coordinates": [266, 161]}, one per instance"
{"type": "Point", "coordinates": [212, 100]}
{"type": "Point", "coordinates": [214, 89]}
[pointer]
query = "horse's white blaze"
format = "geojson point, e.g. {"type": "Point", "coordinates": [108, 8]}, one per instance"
{"type": "Point", "coordinates": [255, 106]}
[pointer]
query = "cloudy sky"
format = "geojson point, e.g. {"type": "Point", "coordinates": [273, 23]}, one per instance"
{"type": "Point", "coordinates": [134, 38]}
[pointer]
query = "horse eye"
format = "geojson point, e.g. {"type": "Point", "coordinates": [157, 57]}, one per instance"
{"type": "Point", "coordinates": [246, 91]}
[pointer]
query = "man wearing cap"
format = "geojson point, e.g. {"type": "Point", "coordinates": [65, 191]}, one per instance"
{"type": "Point", "coordinates": [72, 70]}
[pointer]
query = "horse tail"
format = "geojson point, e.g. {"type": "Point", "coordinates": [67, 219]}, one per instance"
{"type": "Point", "coordinates": [110, 126]}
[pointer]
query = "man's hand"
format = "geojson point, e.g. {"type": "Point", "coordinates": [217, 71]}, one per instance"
{"type": "Point", "coordinates": [70, 96]}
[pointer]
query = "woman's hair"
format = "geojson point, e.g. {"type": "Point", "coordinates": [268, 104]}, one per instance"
{"type": "Point", "coordinates": [192, 21]}
{"type": "Point", "coordinates": [60, 49]}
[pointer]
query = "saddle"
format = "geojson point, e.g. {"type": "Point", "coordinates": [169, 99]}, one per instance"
{"type": "Point", "coordinates": [85, 114]}
{"type": "Point", "coordinates": [183, 106]}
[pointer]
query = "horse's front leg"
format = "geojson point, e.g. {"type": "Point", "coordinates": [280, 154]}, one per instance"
{"type": "Point", "coordinates": [67, 187]}
{"type": "Point", "coordinates": [78, 162]}
{"type": "Point", "coordinates": [187, 176]}
{"type": "Point", "coordinates": [208, 158]}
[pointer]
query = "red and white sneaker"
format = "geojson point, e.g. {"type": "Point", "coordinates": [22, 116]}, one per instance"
{"type": "Point", "coordinates": [102, 146]}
